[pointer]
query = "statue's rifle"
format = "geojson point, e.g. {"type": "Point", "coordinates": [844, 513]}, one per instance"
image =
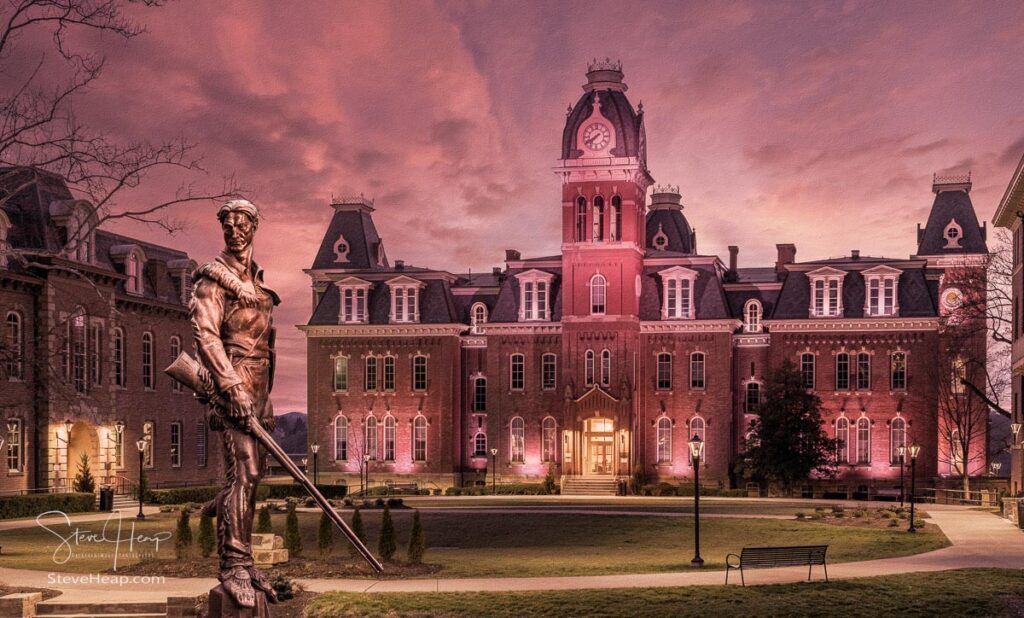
{"type": "Point", "coordinates": [193, 375]}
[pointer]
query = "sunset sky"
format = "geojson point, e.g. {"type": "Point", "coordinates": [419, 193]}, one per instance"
{"type": "Point", "coordinates": [814, 123]}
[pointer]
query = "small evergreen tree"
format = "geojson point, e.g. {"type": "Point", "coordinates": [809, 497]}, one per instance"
{"type": "Point", "coordinates": [84, 481]}
{"type": "Point", "coordinates": [417, 542]}
{"type": "Point", "coordinates": [183, 536]}
{"type": "Point", "coordinates": [386, 545]}
{"type": "Point", "coordinates": [263, 522]}
{"type": "Point", "coordinates": [788, 440]}
{"type": "Point", "coordinates": [549, 480]}
{"type": "Point", "coordinates": [360, 532]}
{"type": "Point", "coordinates": [325, 535]}
{"type": "Point", "coordinates": [207, 537]}
{"type": "Point", "coordinates": [292, 536]}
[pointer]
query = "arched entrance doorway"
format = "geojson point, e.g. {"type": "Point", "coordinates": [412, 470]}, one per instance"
{"type": "Point", "coordinates": [599, 447]}
{"type": "Point", "coordinates": [83, 439]}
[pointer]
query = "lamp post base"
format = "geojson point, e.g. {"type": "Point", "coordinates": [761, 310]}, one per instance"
{"type": "Point", "coordinates": [697, 562]}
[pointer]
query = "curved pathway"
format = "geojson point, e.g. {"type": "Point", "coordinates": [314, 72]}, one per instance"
{"type": "Point", "coordinates": [979, 539]}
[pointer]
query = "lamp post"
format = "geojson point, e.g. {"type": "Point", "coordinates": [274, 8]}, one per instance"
{"type": "Point", "coordinates": [696, 450]}
{"type": "Point", "coordinates": [305, 465]}
{"type": "Point", "coordinates": [1015, 428]}
{"type": "Point", "coordinates": [366, 469]}
{"type": "Point", "coordinates": [316, 468]}
{"type": "Point", "coordinates": [913, 450]}
{"type": "Point", "coordinates": [996, 465]}
{"type": "Point", "coordinates": [494, 472]}
{"type": "Point", "coordinates": [901, 451]}
{"type": "Point", "coordinates": [141, 445]}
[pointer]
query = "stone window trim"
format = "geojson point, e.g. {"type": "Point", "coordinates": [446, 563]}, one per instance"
{"type": "Point", "coordinates": [5, 229]}
{"type": "Point", "coordinates": [826, 294]}
{"type": "Point", "coordinates": [478, 396]}
{"type": "Point", "coordinates": [79, 221]}
{"type": "Point", "coordinates": [842, 436]}
{"type": "Point", "coordinates": [340, 373]}
{"type": "Point", "coordinates": [663, 439]}
{"type": "Point", "coordinates": [14, 340]}
{"type": "Point", "coordinates": [420, 428]}
{"type": "Point", "coordinates": [420, 366]}
{"type": "Point", "coordinates": [534, 295]}
{"type": "Point", "coordinates": [882, 291]}
{"type": "Point", "coordinates": [479, 442]}
{"type": "Point", "coordinates": [132, 259]}
{"type": "Point", "coordinates": [677, 302]}
{"type": "Point", "coordinates": [862, 447]}
{"type": "Point", "coordinates": [14, 447]}
{"type": "Point", "coordinates": [355, 309]}
{"type": "Point", "coordinates": [549, 440]}
{"type": "Point", "coordinates": [897, 437]}
{"type": "Point", "coordinates": [598, 285]}
{"type": "Point", "coordinates": [894, 382]}
{"type": "Point", "coordinates": [753, 314]}
{"type": "Point", "coordinates": [517, 440]}
{"type": "Point", "coordinates": [549, 371]}
{"type": "Point", "coordinates": [606, 368]}
{"type": "Point", "coordinates": [408, 290]}
{"type": "Point", "coordinates": [477, 315]}
{"type": "Point", "coordinates": [749, 406]}
{"type": "Point", "coordinates": [698, 370]}
{"type": "Point", "coordinates": [953, 233]}
{"type": "Point", "coordinates": [589, 368]}
{"type": "Point", "coordinates": [517, 372]}
{"type": "Point", "coordinates": [174, 429]}
{"type": "Point", "coordinates": [341, 437]}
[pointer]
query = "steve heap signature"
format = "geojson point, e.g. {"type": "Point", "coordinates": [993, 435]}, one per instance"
{"type": "Point", "coordinates": [113, 532]}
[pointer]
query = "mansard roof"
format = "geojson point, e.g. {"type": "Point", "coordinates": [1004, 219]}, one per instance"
{"type": "Point", "coordinates": [364, 244]}
{"type": "Point", "coordinates": [917, 298]}
{"type": "Point", "coordinates": [674, 226]}
{"type": "Point", "coordinates": [709, 296]}
{"type": "Point", "coordinates": [952, 206]}
{"type": "Point", "coordinates": [738, 298]}
{"type": "Point", "coordinates": [617, 110]}
{"type": "Point", "coordinates": [506, 306]}
{"type": "Point", "coordinates": [435, 304]}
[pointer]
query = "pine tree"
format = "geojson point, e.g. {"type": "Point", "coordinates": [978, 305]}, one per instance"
{"type": "Point", "coordinates": [549, 480]}
{"type": "Point", "coordinates": [183, 536]}
{"type": "Point", "coordinates": [292, 536]}
{"type": "Point", "coordinates": [386, 545]}
{"type": "Point", "coordinates": [207, 537]}
{"type": "Point", "coordinates": [263, 522]}
{"type": "Point", "coordinates": [84, 481]}
{"type": "Point", "coordinates": [417, 542]}
{"type": "Point", "coordinates": [360, 532]}
{"type": "Point", "coordinates": [325, 535]}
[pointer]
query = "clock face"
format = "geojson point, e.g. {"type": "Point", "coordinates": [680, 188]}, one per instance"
{"type": "Point", "coordinates": [952, 299]}
{"type": "Point", "coordinates": [596, 136]}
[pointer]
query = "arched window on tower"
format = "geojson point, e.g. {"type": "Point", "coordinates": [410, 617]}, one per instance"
{"type": "Point", "coordinates": [588, 368]}
{"type": "Point", "coordinates": [581, 219]}
{"type": "Point", "coordinates": [606, 368]}
{"type": "Point", "coordinates": [598, 219]}
{"type": "Point", "coordinates": [598, 294]}
{"type": "Point", "coordinates": [752, 317]}
{"type": "Point", "coordinates": [616, 218]}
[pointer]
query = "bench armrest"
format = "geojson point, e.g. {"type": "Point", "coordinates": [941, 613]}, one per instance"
{"type": "Point", "coordinates": [729, 565]}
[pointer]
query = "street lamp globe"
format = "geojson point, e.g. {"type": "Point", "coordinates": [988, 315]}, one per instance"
{"type": "Point", "coordinates": [314, 447]}
{"type": "Point", "coordinates": [901, 451]}
{"type": "Point", "coordinates": [140, 444]}
{"type": "Point", "coordinates": [494, 452]}
{"type": "Point", "coordinates": [913, 450]}
{"type": "Point", "coordinates": [118, 427]}
{"type": "Point", "coordinates": [67, 428]}
{"type": "Point", "coordinates": [696, 447]}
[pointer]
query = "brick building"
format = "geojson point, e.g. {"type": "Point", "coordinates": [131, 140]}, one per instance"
{"type": "Point", "coordinates": [91, 318]}
{"type": "Point", "coordinates": [613, 353]}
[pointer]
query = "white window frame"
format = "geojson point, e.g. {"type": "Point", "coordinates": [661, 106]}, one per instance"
{"type": "Point", "coordinates": [548, 371]}
{"type": "Point", "coordinates": [752, 314]}
{"type": "Point", "coordinates": [480, 444]}
{"type": "Point", "coordinates": [14, 326]}
{"type": "Point", "coordinates": [479, 394]}
{"type": "Point", "coordinates": [664, 440]}
{"type": "Point", "coordinates": [677, 301]}
{"type": "Point", "coordinates": [804, 357]}
{"type": "Point", "coordinates": [390, 437]}
{"type": "Point", "coordinates": [548, 440]}
{"type": "Point", "coordinates": [840, 357]}
{"type": "Point", "coordinates": [405, 299]}
{"type": "Point", "coordinates": [826, 297]}
{"type": "Point", "coordinates": [842, 440]}
{"type": "Point", "coordinates": [354, 300]}
{"type": "Point", "coordinates": [663, 371]}
{"type": "Point", "coordinates": [148, 371]}
{"type": "Point", "coordinates": [606, 368]}
{"type": "Point", "coordinates": [149, 434]}
{"type": "Point", "coordinates": [420, 373]}
{"type": "Point", "coordinates": [371, 437]}
{"type": "Point", "coordinates": [341, 438]}
{"type": "Point", "coordinates": [15, 444]}
{"type": "Point", "coordinates": [419, 438]}
{"type": "Point", "coordinates": [517, 440]}
{"type": "Point", "coordinates": [174, 446]}
{"type": "Point", "coordinates": [892, 370]}
{"type": "Point", "coordinates": [388, 373]}
{"type": "Point", "coordinates": [368, 362]}
{"type": "Point", "coordinates": [598, 286]}
{"type": "Point", "coordinates": [339, 374]}
{"type": "Point", "coordinates": [863, 379]}
{"type": "Point", "coordinates": [534, 295]}
{"type": "Point", "coordinates": [477, 316]}
{"type": "Point", "coordinates": [698, 371]}
{"type": "Point", "coordinates": [756, 407]}
{"type": "Point", "coordinates": [589, 366]}
{"type": "Point", "coordinates": [897, 438]}
{"type": "Point", "coordinates": [120, 378]}
{"type": "Point", "coordinates": [881, 291]}
{"type": "Point", "coordinates": [517, 372]}
{"type": "Point", "coordinates": [863, 451]}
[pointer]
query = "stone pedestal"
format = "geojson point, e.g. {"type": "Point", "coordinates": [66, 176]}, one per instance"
{"type": "Point", "coordinates": [20, 604]}
{"type": "Point", "coordinates": [221, 605]}
{"type": "Point", "coordinates": [268, 549]}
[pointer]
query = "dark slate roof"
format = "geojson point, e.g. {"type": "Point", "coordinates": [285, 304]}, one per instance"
{"type": "Point", "coordinates": [477, 280]}
{"type": "Point", "coordinates": [356, 225]}
{"type": "Point", "coordinates": [757, 274]}
{"type": "Point", "coordinates": [157, 281]}
{"type": "Point", "coordinates": [463, 304]}
{"type": "Point", "coordinates": [948, 206]}
{"type": "Point", "coordinates": [675, 226]}
{"type": "Point", "coordinates": [917, 298]}
{"type": "Point", "coordinates": [616, 108]}
{"type": "Point", "coordinates": [506, 306]}
{"type": "Point", "coordinates": [738, 298]}
{"type": "Point", "coordinates": [708, 293]}
{"type": "Point", "coordinates": [436, 304]}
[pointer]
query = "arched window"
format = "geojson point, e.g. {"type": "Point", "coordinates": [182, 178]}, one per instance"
{"type": "Point", "coordinates": [478, 315]}
{"type": "Point", "coordinates": [598, 218]}
{"type": "Point", "coordinates": [119, 365]}
{"type": "Point", "coordinates": [842, 372]}
{"type": "Point", "coordinates": [598, 294]}
{"type": "Point", "coordinates": [370, 374]}
{"type": "Point", "coordinates": [15, 346]}
{"type": "Point", "coordinates": [389, 373]}
{"type": "Point", "coordinates": [697, 371]}
{"type": "Point", "coordinates": [581, 219]}
{"type": "Point", "coordinates": [664, 371]}
{"type": "Point", "coordinates": [147, 360]}
{"type": "Point", "coordinates": [547, 440]}
{"type": "Point", "coordinates": [753, 400]}
{"type": "Point", "coordinates": [863, 371]}
{"type": "Point", "coordinates": [175, 351]}
{"type": "Point", "coordinates": [419, 373]}
{"type": "Point", "coordinates": [419, 438]}
{"type": "Point", "coordinates": [371, 437]}
{"type": "Point", "coordinates": [340, 374]}
{"type": "Point", "coordinates": [664, 440]}
{"type": "Point", "coordinates": [518, 443]}
{"type": "Point", "coordinates": [480, 444]}
{"type": "Point", "coordinates": [616, 218]}
{"type": "Point", "coordinates": [697, 430]}
{"type": "Point", "coordinates": [517, 372]}
{"type": "Point", "coordinates": [752, 317]}
{"type": "Point", "coordinates": [480, 395]}
{"type": "Point", "coordinates": [807, 370]}
{"type": "Point", "coordinates": [897, 438]}
{"type": "Point", "coordinates": [606, 368]}
{"type": "Point", "coordinates": [389, 438]}
{"type": "Point", "coordinates": [548, 371]}
{"type": "Point", "coordinates": [956, 452]}
{"type": "Point", "coordinates": [588, 368]}
{"type": "Point", "coordinates": [863, 440]}
{"type": "Point", "coordinates": [842, 440]}
{"type": "Point", "coordinates": [341, 439]}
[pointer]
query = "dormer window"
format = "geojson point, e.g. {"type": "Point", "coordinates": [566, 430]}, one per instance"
{"type": "Point", "coordinates": [477, 316]}
{"type": "Point", "coordinates": [353, 293]}
{"type": "Point", "coordinates": [677, 300]}
{"type": "Point", "coordinates": [78, 221]}
{"type": "Point", "coordinates": [881, 288]}
{"type": "Point", "coordinates": [181, 271]}
{"type": "Point", "coordinates": [826, 292]}
{"type": "Point", "coordinates": [132, 261]}
{"type": "Point", "coordinates": [341, 250]}
{"type": "Point", "coordinates": [534, 297]}
{"type": "Point", "coordinates": [752, 316]}
{"type": "Point", "coordinates": [405, 305]}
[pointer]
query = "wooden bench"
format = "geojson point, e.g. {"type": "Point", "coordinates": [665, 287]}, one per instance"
{"type": "Point", "coordinates": [886, 492]}
{"type": "Point", "coordinates": [402, 487]}
{"type": "Point", "coordinates": [770, 557]}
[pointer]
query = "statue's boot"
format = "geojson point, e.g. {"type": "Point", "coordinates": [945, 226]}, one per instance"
{"type": "Point", "coordinates": [210, 508]}
{"type": "Point", "coordinates": [260, 581]}
{"type": "Point", "coordinates": [238, 583]}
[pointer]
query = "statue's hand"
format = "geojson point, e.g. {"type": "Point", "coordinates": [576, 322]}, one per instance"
{"type": "Point", "coordinates": [242, 406]}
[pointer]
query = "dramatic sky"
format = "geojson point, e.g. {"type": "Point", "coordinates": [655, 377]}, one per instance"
{"type": "Point", "coordinates": [819, 124]}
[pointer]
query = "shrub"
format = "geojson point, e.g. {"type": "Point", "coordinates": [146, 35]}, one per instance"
{"type": "Point", "coordinates": [636, 480]}
{"type": "Point", "coordinates": [182, 536]}
{"type": "Point", "coordinates": [34, 504]}
{"type": "Point", "coordinates": [357, 528]}
{"type": "Point", "coordinates": [309, 503]}
{"type": "Point", "coordinates": [325, 535]}
{"type": "Point", "coordinates": [84, 481]}
{"type": "Point", "coordinates": [207, 537]}
{"type": "Point", "coordinates": [549, 480]}
{"type": "Point", "coordinates": [283, 586]}
{"type": "Point", "coordinates": [860, 512]}
{"type": "Point", "coordinates": [263, 525]}
{"type": "Point", "coordinates": [437, 492]}
{"type": "Point", "coordinates": [837, 509]}
{"type": "Point", "coordinates": [395, 502]}
{"type": "Point", "coordinates": [379, 502]}
{"type": "Point", "coordinates": [292, 537]}
{"type": "Point", "coordinates": [348, 502]}
{"type": "Point", "coordinates": [453, 491]}
{"type": "Point", "coordinates": [919, 523]}
{"type": "Point", "coordinates": [181, 495]}
{"type": "Point", "coordinates": [417, 542]}
{"type": "Point", "coordinates": [801, 515]}
{"type": "Point", "coordinates": [893, 523]}
{"type": "Point", "coordinates": [386, 546]}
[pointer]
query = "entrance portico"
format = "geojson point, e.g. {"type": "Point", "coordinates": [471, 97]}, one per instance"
{"type": "Point", "coordinates": [598, 441]}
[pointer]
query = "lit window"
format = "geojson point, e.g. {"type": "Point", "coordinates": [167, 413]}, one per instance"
{"type": "Point", "coordinates": [677, 301]}
{"type": "Point", "coordinates": [897, 438]}
{"type": "Point", "coordinates": [15, 345]}
{"type": "Point", "coordinates": [477, 316]}
{"type": "Point", "coordinates": [340, 374]}
{"type": "Point", "coordinates": [863, 440]}
{"type": "Point", "coordinates": [807, 370]}
{"type": "Point", "coordinates": [480, 444]}
{"type": "Point", "coordinates": [15, 452]}
{"type": "Point", "coordinates": [842, 372]}
{"type": "Point", "coordinates": [606, 368]}
{"type": "Point", "coordinates": [547, 440]}
{"type": "Point", "coordinates": [389, 438]}
{"type": "Point", "coordinates": [598, 294]}
{"type": "Point", "coordinates": [419, 439]}
{"type": "Point", "coordinates": [959, 370]}
{"type": "Point", "coordinates": [697, 371]}
{"type": "Point", "coordinates": [480, 395]}
{"type": "Point", "coordinates": [371, 436]}
{"type": "Point", "coordinates": [389, 373]}
{"type": "Point", "coordinates": [419, 373]}
{"type": "Point", "coordinates": [175, 350]}
{"type": "Point", "coordinates": [119, 376]}
{"type": "Point", "coordinates": [548, 371]}
{"type": "Point", "coordinates": [697, 431]}
{"type": "Point", "coordinates": [898, 371]}
{"type": "Point", "coordinates": [863, 371]}
{"type": "Point", "coordinates": [518, 442]}
{"type": "Point", "coordinates": [753, 399]}
{"type": "Point", "coordinates": [842, 440]}
{"type": "Point", "coordinates": [664, 371]}
{"type": "Point", "coordinates": [147, 361]}
{"type": "Point", "coordinates": [664, 440]}
{"type": "Point", "coordinates": [341, 438]}
{"type": "Point", "coordinates": [588, 368]}
{"type": "Point", "coordinates": [752, 317]}
{"type": "Point", "coordinates": [517, 369]}
{"type": "Point", "coordinates": [826, 292]}
{"type": "Point", "coordinates": [175, 444]}
{"type": "Point", "coordinates": [370, 374]}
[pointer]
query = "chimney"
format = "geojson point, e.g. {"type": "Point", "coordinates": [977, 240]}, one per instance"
{"type": "Point", "coordinates": [511, 255]}
{"type": "Point", "coordinates": [787, 255]}
{"type": "Point", "coordinates": [399, 264]}
{"type": "Point", "coordinates": [496, 271]}
{"type": "Point", "coordinates": [733, 252]}
{"type": "Point", "coordinates": [855, 254]}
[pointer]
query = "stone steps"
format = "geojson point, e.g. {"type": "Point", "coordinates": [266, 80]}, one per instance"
{"type": "Point", "coordinates": [583, 486]}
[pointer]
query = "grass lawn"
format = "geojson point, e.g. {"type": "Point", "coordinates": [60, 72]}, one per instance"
{"type": "Point", "coordinates": [494, 544]}
{"type": "Point", "coordinates": [974, 592]}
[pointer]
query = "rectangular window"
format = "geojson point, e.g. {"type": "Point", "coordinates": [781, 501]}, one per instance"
{"type": "Point", "coordinates": [819, 297]}
{"type": "Point", "coordinates": [535, 300]}
{"type": "Point", "coordinates": [340, 374]}
{"type": "Point", "coordinates": [684, 298]}
{"type": "Point", "coordinates": [389, 438]}
{"type": "Point", "coordinates": [863, 441]}
{"type": "Point", "coordinates": [147, 360]}
{"type": "Point", "coordinates": [370, 377]}
{"type": "Point", "coordinates": [664, 372]}
{"type": "Point", "coordinates": [807, 370]}
{"type": "Point", "coordinates": [898, 381]}
{"type": "Point", "coordinates": [542, 300]}
{"type": "Point", "coordinates": [404, 303]}
{"type": "Point", "coordinates": [119, 377]}
{"type": "Point", "coordinates": [833, 297]}
{"type": "Point", "coordinates": [753, 401]}
{"type": "Point", "coordinates": [389, 373]}
{"type": "Point", "coordinates": [201, 443]}
{"type": "Point", "coordinates": [419, 439]}
{"type": "Point", "coordinates": [353, 304]}
{"type": "Point", "coordinates": [842, 372]}
{"type": "Point", "coordinates": [889, 297]}
{"type": "Point", "coordinates": [697, 371]}
{"type": "Point", "coordinates": [672, 297]}
{"type": "Point", "coordinates": [79, 347]}
{"type": "Point", "coordinates": [528, 300]}
{"type": "Point", "coordinates": [959, 375]}
{"type": "Point", "coordinates": [14, 447]}
{"type": "Point", "coordinates": [175, 444]}
{"type": "Point", "coordinates": [874, 297]}
{"type": "Point", "coordinates": [118, 440]}
{"type": "Point", "coordinates": [518, 372]}
{"type": "Point", "coordinates": [419, 373]}
{"type": "Point", "coordinates": [548, 368]}
{"type": "Point", "coordinates": [95, 342]}
{"type": "Point", "coordinates": [588, 368]}
{"type": "Point", "coordinates": [842, 441]}
{"type": "Point", "coordinates": [864, 371]}
{"type": "Point", "coordinates": [480, 395]}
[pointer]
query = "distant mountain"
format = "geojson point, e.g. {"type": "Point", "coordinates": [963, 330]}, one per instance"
{"type": "Point", "coordinates": [290, 432]}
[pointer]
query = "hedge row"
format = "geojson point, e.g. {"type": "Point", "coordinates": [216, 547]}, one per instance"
{"type": "Point", "coordinates": [33, 504]}
{"type": "Point", "coordinates": [667, 489]}
{"type": "Point", "coordinates": [505, 489]}
{"type": "Point", "coordinates": [181, 495]}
